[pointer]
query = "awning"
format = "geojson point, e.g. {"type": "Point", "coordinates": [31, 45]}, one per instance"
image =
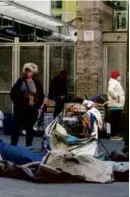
{"type": "Point", "coordinates": [31, 17]}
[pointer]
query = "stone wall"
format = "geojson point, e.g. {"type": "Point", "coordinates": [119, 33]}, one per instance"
{"type": "Point", "coordinates": [89, 53]}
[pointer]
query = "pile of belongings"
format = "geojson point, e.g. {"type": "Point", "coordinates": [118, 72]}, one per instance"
{"type": "Point", "coordinates": [86, 118]}
{"type": "Point", "coordinates": [63, 167]}
{"type": "Point", "coordinates": [71, 156]}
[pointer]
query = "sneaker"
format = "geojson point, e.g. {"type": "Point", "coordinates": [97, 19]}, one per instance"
{"type": "Point", "coordinates": [116, 138]}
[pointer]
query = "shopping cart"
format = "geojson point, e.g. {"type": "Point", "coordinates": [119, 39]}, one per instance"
{"type": "Point", "coordinates": [45, 117]}
{"type": "Point", "coordinates": [105, 131]}
{"type": "Point", "coordinates": [101, 109]}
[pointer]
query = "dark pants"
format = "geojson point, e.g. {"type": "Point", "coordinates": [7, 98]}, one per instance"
{"type": "Point", "coordinates": [59, 106]}
{"type": "Point", "coordinates": [115, 122]}
{"type": "Point", "coordinates": [26, 119]}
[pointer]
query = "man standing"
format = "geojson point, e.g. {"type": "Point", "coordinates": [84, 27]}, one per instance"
{"type": "Point", "coordinates": [58, 91]}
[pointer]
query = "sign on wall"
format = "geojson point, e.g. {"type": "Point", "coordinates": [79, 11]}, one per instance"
{"type": "Point", "coordinates": [88, 35]}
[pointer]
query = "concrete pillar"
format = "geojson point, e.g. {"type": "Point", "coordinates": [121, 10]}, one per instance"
{"type": "Point", "coordinates": [89, 53]}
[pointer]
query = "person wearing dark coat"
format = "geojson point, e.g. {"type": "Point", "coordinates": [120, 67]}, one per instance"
{"type": "Point", "coordinates": [27, 97]}
{"type": "Point", "coordinates": [58, 91]}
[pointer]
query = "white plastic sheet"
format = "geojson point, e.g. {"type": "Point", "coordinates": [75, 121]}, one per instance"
{"type": "Point", "coordinates": [90, 148]}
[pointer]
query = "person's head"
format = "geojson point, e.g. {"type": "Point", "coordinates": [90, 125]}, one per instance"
{"type": "Point", "coordinates": [30, 70]}
{"type": "Point", "coordinates": [115, 74]}
{"type": "Point", "coordinates": [63, 74]}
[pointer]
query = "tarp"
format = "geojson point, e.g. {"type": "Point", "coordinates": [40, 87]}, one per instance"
{"type": "Point", "coordinates": [83, 165]}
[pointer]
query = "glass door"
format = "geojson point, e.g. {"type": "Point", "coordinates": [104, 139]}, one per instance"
{"type": "Point", "coordinates": [6, 77]}
{"type": "Point", "coordinates": [114, 58]}
{"type": "Point", "coordinates": [63, 57]}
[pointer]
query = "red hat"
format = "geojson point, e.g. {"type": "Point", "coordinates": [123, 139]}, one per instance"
{"type": "Point", "coordinates": [115, 74]}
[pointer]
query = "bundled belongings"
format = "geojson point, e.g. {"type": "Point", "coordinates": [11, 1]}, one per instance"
{"type": "Point", "coordinates": [82, 119]}
{"type": "Point", "coordinates": [78, 128]}
{"type": "Point", "coordinates": [61, 139]}
{"type": "Point", "coordinates": [75, 108]}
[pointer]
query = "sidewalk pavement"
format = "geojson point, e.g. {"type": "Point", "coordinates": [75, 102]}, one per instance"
{"type": "Point", "coordinates": [17, 188]}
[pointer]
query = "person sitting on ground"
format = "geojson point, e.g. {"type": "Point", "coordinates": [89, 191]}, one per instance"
{"type": "Point", "coordinates": [116, 101]}
{"type": "Point", "coordinates": [58, 91]}
{"type": "Point", "coordinates": [27, 97]}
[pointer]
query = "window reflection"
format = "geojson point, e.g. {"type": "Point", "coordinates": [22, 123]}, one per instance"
{"type": "Point", "coordinates": [121, 20]}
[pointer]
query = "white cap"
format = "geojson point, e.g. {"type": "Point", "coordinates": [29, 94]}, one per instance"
{"type": "Point", "coordinates": [31, 66]}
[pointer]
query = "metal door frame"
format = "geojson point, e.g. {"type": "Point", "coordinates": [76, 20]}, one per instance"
{"type": "Point", "coordinates": [27, 44]}
{"type": "Point", "coordinates": [105, 62]}
{"type": "Point", "coordinates": [14, 65]}
{"type": "Point", "coordinates": [46, 62]}
{"type": "Point", "coordinates": [48, 45]}
{"type": "Point", "coordinates": [16, 47]}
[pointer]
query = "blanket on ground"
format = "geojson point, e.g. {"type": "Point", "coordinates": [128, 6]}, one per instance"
{"type": "Point", "coordinates": [57, 167]}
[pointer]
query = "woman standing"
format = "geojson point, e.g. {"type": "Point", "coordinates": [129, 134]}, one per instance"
{"type": "Point", "coordinates": [27, 97]}
{"type": "Point", "coordinates": [116, 101]}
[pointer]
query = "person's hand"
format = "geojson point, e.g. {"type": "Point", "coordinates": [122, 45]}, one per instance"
{"type": "Point", "coordinates": [62, 97]}
{"type": "Point", "coordinates": [114, 97]}
{"type": "Point", "coordinates": [105, 104]}
{"type": "Point", "coordinates": [118, 98]}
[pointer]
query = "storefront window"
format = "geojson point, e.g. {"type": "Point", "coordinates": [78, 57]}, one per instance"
{"type": "Point", "coordinates": [121, 18]}
{"type": "Point", "coordinates": [56, 4]}
{"type": "Point", "coordinates": [121, 15]}
{"type": "Point", "coordinates": [121, 5]}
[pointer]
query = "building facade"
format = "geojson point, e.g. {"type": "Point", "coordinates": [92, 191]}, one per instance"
{"type": "Point", "coordinates": [64, 9]}
{"type": "Point", "coordinates": [101, 44]}
{"type": "Point", "coordinates": [29, 36]}
{"type": "Point", "coordinates": [40, 6]}
{"type": "Point", "coordinates": [101, 28]}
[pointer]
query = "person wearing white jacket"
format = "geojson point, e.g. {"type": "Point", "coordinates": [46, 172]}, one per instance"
{"type": "Point", "coordinates": [116, 102]}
